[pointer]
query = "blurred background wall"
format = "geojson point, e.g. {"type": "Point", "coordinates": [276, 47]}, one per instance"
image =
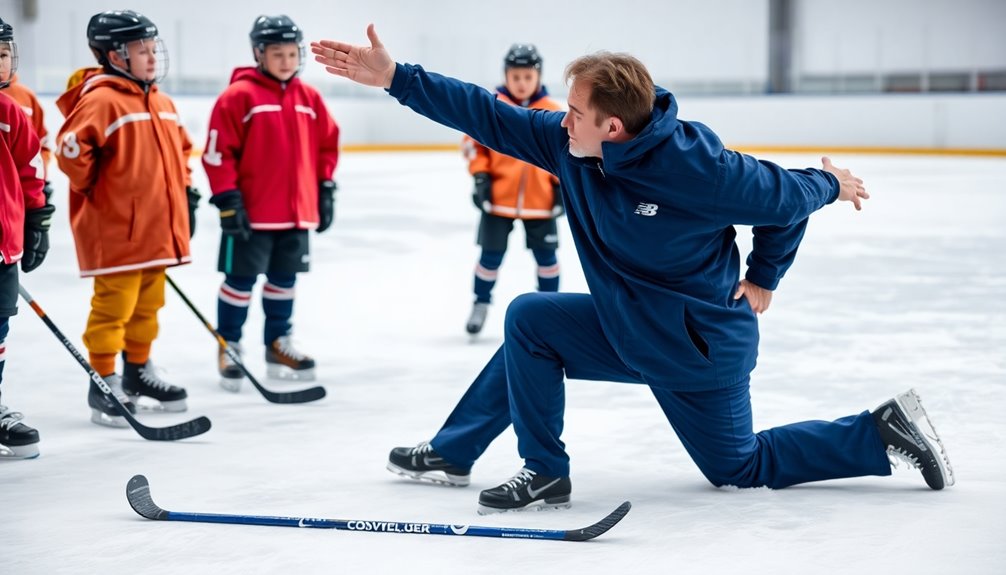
{"type": "Point", "coordinates": [905, 74]}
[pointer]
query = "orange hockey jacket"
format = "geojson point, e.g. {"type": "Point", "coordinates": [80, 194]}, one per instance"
{"type": "Point", "coordinates": [126, 154]}
{"type": "Point", "coordinates": [33, 109]}
{"type": "Point", "coordinates": [520, 190]}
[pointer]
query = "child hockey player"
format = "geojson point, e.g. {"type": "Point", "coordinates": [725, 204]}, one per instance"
{"type": "Point", "coordinates": [24, 230]}
{"type": "Point", "coordinates": [131, 207]}
{"type": "Point", "coordinates": [270, 155]}
{"type": "Point", "coordinates": [507, 189]}
{"type": "Point", "coordinates": [32, 108]}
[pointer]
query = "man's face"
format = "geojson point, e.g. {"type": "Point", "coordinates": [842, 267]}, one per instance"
{"type": "Point", "coordinates": [581, 123]}
{"type": "Point", "coordinates": [142, 63]}
{"type": "Point", "coordinates": [522, 83]}
{"type": "Point", "coordinates": [6, 61]}
{"type": "Point", "coordinates": [281, 60]}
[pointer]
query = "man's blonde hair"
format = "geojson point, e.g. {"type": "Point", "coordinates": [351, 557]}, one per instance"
{"type": "Point", "coordinates": [619, 85]}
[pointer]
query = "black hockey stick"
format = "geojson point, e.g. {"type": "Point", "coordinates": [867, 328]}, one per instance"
{"type": "Point", "coordinates": [191, 428]}
{"type": "Point", "coordinates": [301, 396]}
{"type": "Point", "coordinates": [138, 494]}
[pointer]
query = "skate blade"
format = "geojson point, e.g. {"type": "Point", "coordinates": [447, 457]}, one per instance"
{"type": "Point", "coordinates": [149, 405]}
{"type": "Point", "coordinates": [557, 503]}
{"type": "Point", "coordinates": [29, 451]}
{"type": "Point", "coordinates": [284, 373]}
{"type": "Point", "coordinates": [438, 477]}
{"type": "Point", "coordinates": [911, 404]}
{"type": "Point", "coordinates": [102, 418]}
{"type": "Point", "coordinates": [231, 384]}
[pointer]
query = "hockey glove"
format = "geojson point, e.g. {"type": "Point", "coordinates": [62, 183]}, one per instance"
{"type": "Point", "coordinates": [47, 190]}
{"type": "Point", "coordinates": [233, 217]}
{"type": "Point", "coordinates": [326, 204]}
{"type": "Point", "coordinates": [482, 193]}
{"type": "Point", "coordinates": [36, 236]}
{"type": "Point", "coordinates": [558, 208]}
{"type": "Point", "coordinates": [193, 196]}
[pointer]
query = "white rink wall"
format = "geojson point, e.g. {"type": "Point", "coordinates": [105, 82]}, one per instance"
{"type": "Point", "coordinates": [918, 121]}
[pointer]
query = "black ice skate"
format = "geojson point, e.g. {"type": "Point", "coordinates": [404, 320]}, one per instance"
{"type": "Point", "coordinates": [142, 380]}
{"type": "Point", "coordinates": [283, 361]}
{"type": "Point", "coordinates": [526, 490]}
{"type": "Point", "coordinates": [231, 375]}
{"type": "Point", "coordinates": [908, 435]}
{"type": "Point", "coordinates": [17, 440]}
{"type": "Point", "coordinates": [477, 319]}
{"type": "Point", "coordinates": [424, 464]}
{"type": "Point", "coordinates": [103, 411]}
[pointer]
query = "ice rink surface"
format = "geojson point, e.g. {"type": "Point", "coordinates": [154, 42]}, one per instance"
{"type": "Point", "coordinates": [911, 292]}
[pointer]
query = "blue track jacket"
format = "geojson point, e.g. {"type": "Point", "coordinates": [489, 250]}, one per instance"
{"type": "Point", "coordinates": [653, 225]}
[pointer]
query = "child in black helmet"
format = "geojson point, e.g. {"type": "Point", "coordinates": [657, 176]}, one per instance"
{"type": "Point", "coordinates": [125, 152]}
{"type": "Point", "coordinates": [24, 229]}
{"type": "Point", "coordinates": [270, 156]}
{"type": "Point", "coordinates": [507, 189]}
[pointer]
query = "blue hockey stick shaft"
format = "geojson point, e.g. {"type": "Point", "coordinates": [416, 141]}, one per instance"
{"type": "Point", "coordinates": [138, 494]}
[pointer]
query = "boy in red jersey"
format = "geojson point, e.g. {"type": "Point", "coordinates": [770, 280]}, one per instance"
{"type": "Point", "coordinates": [24, 229]}
{"type": "Point", "coordinates": [270, 156]}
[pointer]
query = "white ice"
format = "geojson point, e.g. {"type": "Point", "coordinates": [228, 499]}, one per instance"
{"type": "Point", "coordinates": [910, 292]}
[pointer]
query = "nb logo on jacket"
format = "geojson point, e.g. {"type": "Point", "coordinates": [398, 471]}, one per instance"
{"type": "Point", "coordinates": [644, 209]}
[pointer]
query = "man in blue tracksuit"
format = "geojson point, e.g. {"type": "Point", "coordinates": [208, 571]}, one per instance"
{"type": "Point", "coordinates": [651, 201]}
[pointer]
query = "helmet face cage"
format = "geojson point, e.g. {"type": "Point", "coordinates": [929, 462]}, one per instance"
{"type": "Point", "coordinates": [8, 52]}
{"type": "Point", "coordinates": [161, 68]}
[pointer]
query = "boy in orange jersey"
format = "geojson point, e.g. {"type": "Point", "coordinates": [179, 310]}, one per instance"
{"type": "Point", "coordinates": [507, 189]}
{"type": "Point", "coordinates": [271, 152]}
{"type": "Point", "coordinates": [24, 230]}
{"type": "Point", "coordinates": [131, 206]}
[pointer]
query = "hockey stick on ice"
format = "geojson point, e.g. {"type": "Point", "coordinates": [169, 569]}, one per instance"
{"type": "Point", "coordinates": [138, 494]}
{"type": "Point", "coordinates": [301, 396]}
{"type": "Point", "coordinates": [191, 428]}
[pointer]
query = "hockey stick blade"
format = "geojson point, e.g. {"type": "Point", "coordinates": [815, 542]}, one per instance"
{"type": "Point", "coordinates": [191, 428]}
{"type": "Point", "coordinates": [138, 495]}
{"type": "Point", "coordinates": [300, 396]}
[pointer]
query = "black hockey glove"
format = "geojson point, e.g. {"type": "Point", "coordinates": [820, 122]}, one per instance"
{"type": "Point", "coordinates": [482, 192]}
{"type": "Point", "coordinates": [558, 208]}
{"type": "Point", "coordinates": [326, 204]}
{"type": "Point", "coordinates": [233, 217]}
{"type": "Point", "coordinates": [193, 196]}
{"type": "Point", "coordinates": [36, 236]}
{"type": "Point", "coordinates": [47, 190]}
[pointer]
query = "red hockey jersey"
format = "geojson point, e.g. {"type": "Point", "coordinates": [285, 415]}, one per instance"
{"type": "Point", "coordinates": [274, 141]}
{"type": "Point", "coordinates": [21, 177]}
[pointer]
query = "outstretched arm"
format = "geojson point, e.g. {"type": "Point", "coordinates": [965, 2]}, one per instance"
{"type": "Point", "coordinates": [367, 65]}
{"type": "Point", "coordinates": [534, 136]}
{"type": "Point", "coordinates": [775, 246]}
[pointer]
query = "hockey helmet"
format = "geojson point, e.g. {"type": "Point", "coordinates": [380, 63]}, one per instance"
{"type": "Point", "coordinates": [111, 31]}
{"type": "Point", "coordinates": [522, 56]}
{"type": "Point", "coordinates": [7, 38]}
{"type": "Point", "coordinates": [274, 30]}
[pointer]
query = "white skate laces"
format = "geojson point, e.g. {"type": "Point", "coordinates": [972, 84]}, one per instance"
{"type": "Point", "coordinates": [523, 477]}
{"type": "Point", "coordinates": [151, 375]}
{"type": "Point", "coordinates": [897, 455]}
{"type": "Point", "coordinates": [284, 345]}
{"type": "Point", "coordinates": [422, 449]}
{"type": "Point", "coordinates": [9, 418]}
